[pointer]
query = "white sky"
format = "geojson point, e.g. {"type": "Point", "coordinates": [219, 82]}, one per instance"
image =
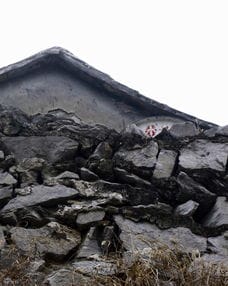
{"type": "Point", "coordinates": [175, 52]}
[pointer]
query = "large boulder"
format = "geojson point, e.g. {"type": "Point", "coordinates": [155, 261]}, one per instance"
{"type": "Point", "coordinates": [137, 236]}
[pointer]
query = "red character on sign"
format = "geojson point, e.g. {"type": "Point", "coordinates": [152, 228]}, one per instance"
{"type": "Point", "coordinates": [151, 130]}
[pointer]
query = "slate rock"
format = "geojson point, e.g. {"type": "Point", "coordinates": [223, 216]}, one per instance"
{"type": "Point", "coordinates": [218, 245]}
{"type": "Point", "coordinates": [185, 129]}
{"type": "Point", "coordinates": [138, 236]}
{"type": "Point", "coordinates": [102, 151]}
{"type": "Point", "coordinates": [129, 178]}
{"type": "Point", "coordinates": [165, 164]}
{"type": "Point", "coordinates": [191, 190]}
{"type": "Point", "coordinates": [54, 240]}
{"type": "Point", "coordinates": [53, 149]}
{"type": "Point", "coordinates": [187, 209]}
{"type": "Point", "coordinates": [93, 216]}
{"type": "Point", "coordinates": [88, 175]}
{"type": "Point", "coordinates": [90, 246]}
{"type": "Point", "coordinates": [5, 195]}
{"type": "Point", "coordinates": [42, 195]}
{"type": "Point", "coordinates": [138, 157]}
{"type": "Point", "coordinates": [92, 268]}
{"type": "Point", "coordinates": [7, 179]}
{"type": "Point", "coordinates": [66, 178]}
{"type": "Point", "coordinates": [218, 215]}
{"type": "Point", "coordinates": [66, 277]}
{"type": "Point", "coordinates": [2, 155]}
{"type": "Point", "coordinates": [203, 154]}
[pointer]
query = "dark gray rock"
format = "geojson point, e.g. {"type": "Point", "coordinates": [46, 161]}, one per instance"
{"type": "Point", "coordinates": [129, 178]}
{"type": "Point", "coordinates": [165, 164]}
{"type": "Point", "coordinates": [138, 236]}
{"type": "Point", "coordinates": [2, 155]}
{"type": "Point", "coordinates": [7, 179]}
{"type": "Point", "coordinates": [2, 239]}
{"type": "Point", "coordinates": [191, 190]}
{"type": "Point", "coordinates": [92, 268]}
{"type": "Point", "coordinates": [185, 129]}
{"type": "Point", "coordinates": [103, 151]}
{"type": "Point", "coordinates": [203, 154]}
{"type": "Point", "coordinates": [88, 175]}
{"type": "Point", "coordinates": [160, 213]}
{"type": "Point", "coordinates": [90, 217]}
{"type": "Point", "coordinates": [54, 149]}
{"type": "Point", "coordinates": [90, 247]}
{"type": "Point", "coordinates": [5, 195]}
{"type": "Point", "coordinates": [137, 158]}
{"type": "Point", "coordinates": [53, 240]}
{"type": "Point", "coordinates": [66, 277]}
{"type": "Point", "coordinates": [42, 195]}
{"type": "Point", "coordinates": [218, 245]}
{"type": "Point", "coordinates": [187, 209]}
{"type": "Point", "coordinates": [66, 178]}
{"type": "Point", "coordinates": [218, 215]}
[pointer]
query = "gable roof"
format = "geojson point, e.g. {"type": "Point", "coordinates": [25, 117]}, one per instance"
{"type": "Point", "coordinates": [66, 60]}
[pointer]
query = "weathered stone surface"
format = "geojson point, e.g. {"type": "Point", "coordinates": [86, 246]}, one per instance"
{"type": "Point", "coordinates": [90, 248]}
{"type": "Point", "coordinates": [187, 209]}
{"type": "Point", "coordinates": [54, 149]}
{"type": "Point", "coordinates": [95, 267]}
{"type": "Point", "coordinates": [42, 195]}
{"type": "Point", "coordinates": [66, 178]}
{"type": "Point", "coordinates": [141, 157]}
{"type": "Point", "coordinates": [66, 277]}
{"type": "Point", "coordinates": [137, 236]}
{"type": "Point", "coordinates": [191, 190]}
{"type": "Point", "coordinates": [2, 239]}
{"type": "Point", "coordinates": [5, 194]}
{"type": "Point", "coordinates": [129, 178]}
{"type": "Point", "coordinates": [165, 164]}
{"type": "Point", "coordinates": [7, 179]}
{"type": "Point", "coordinates": [88, 175]}
{"type": "Point", "coordinates": [185, 129]}
{"type": "Point", "coordinates": [53, 240]}
{"type": "Point", "coordinates": [223, 131]}
{"type": "Point", "coordinates": [218, 245]}
{"type": "Point", "coordinates": [203, 154]}
{"type": "Point", "coordinates": [93, 216]}
{"type": "Point", "coordinates": [218, 216]}
{"type": "Point", "coordinates": [2, 155]}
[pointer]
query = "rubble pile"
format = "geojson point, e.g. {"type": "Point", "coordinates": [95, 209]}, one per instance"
{"type": "Point", "coordinates": [74, 196]}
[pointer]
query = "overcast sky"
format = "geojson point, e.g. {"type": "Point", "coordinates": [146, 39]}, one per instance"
{"type": "Point", "coordinates": [175, 52]}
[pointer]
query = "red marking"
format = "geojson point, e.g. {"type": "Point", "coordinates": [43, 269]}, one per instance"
{"type": "Point", "coordinates": [151, 130]}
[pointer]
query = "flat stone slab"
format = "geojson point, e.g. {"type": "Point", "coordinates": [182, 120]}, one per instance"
{"type": "Point", "coordinates": [203, 154]}
{"type": "Point", "coordinates": [41, 195]}
{"type": "Point", "coordinates": [95, 267]}
{"type": "Point", "coordinates": [137, 236]}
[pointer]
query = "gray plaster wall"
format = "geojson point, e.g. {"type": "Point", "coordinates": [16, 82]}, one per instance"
{"type": "Point", "coordinates": [53, 88]}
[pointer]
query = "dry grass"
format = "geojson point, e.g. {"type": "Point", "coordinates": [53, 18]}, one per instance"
{"type": "Point", "coordinates": [163, 266]}
{"type": "Point", "coordinates": [160, 266]}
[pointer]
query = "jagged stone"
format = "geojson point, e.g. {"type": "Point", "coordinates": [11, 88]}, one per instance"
{"type": "Point", "coordinates": [5, 195]}
{"type": "Point", "coordinates": [2, 155]}
{"type": "Point", "coordinates": [187, 209]}
{"type": "Point", "coordinates": [165, 164]}
{"type": "Point", "coordinates": [7, 179]}
{"type": "Point", "coordinates": [66, 277]}
{"type": "Point", "coordinates": [125, 177]}
{"type": "Point", "coordinates": [66, 178]}
{"type": "Point", "coordinates": [92, 268]}
{"type": "Point", "coordinates": [137, 236]}
{"type": "Point", "coordinates": [218, 245]}
{"type": "Point", "coordinates": [108, 239]}
{"type": "Point", "coordinates": [41, 195]}
{"type": "Point", "coordinates": [90, 217]}
{"type": "Point", "coordinates": [218, 215]}
{"type": "Point", "coordinates": [191, 190]}
{"type": "Point", "coordinates": [159, 213]}
{"type": "Point", "coordinates": [90, 248]}
{"type": "Point", "coordinates": [203, 154]}
{"type": "Point", "coordinates": [103, 151]}
{"type": "Point", "coordinates": [138, 157]}
{"type": "Point", "coordinates": [185, 129]}
{"type": "Point", "coordinates": [88, 175]}
{"type": "Point", "coordinates": [53, 240]}
{"type": "Point", "coordinates": [54, 149]}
